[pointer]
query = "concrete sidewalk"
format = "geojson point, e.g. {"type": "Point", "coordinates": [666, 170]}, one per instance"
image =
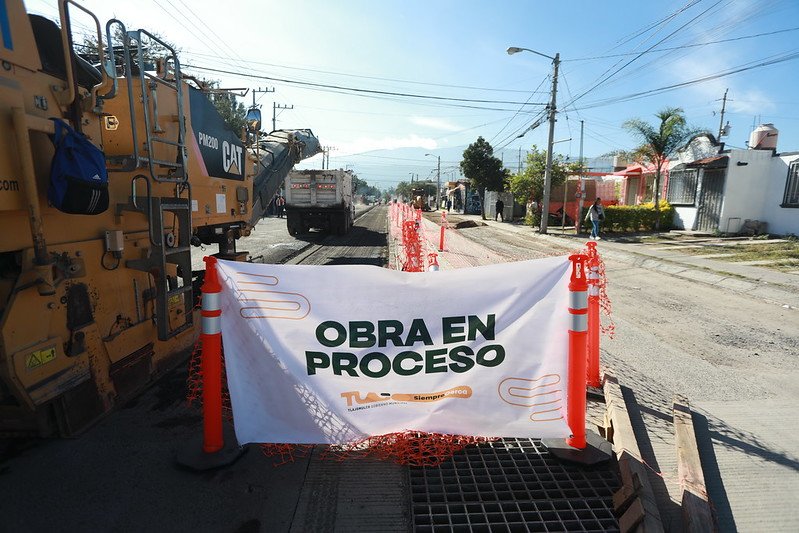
{"type": "Point", "coordinates": [759, 282]}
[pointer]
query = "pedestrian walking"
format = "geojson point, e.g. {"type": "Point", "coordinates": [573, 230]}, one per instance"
{"type": "Point", "coordinates": [449, 204]}
{"type": "Point", "coordinates": [280, 202]}
{"type": "Point", "coordinates": [596, 214]}
{"type": "Point", "coordinates": [500, 206]}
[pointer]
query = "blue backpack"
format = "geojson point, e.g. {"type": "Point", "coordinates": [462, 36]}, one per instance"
{"type": "Point", "coordinates": [78, 177]}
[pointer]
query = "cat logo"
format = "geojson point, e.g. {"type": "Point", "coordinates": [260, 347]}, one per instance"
{"type": "Point", "coordinates": [231, 157]}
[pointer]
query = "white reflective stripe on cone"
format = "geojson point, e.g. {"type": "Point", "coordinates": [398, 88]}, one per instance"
{"type": "Point", "coordinates": [211, 325]}
{"type": "Point", "coordinates": [579, 323]}
{"type": "Point", "coordinates": [211, 301]}
{"type": "Point", "coordinates": [578, 300]}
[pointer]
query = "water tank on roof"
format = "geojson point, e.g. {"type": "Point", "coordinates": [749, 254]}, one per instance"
{"type": "Point", "coordinates": [619, 162]}
{"type": "Point", "coordinates": [764, 137]}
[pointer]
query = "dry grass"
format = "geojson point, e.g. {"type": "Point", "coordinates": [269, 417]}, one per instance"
{"type": "Point", "coordinates": [783, 256]}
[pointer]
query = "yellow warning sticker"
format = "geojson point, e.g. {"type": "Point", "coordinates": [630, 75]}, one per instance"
{"type": "Point", "coordinates": [40, 357]}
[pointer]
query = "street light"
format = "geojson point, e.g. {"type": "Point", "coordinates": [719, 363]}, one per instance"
{"type": "Point", "coordinates": [552, 110]}
{"type": "Point", "coordinates": [438, 181]}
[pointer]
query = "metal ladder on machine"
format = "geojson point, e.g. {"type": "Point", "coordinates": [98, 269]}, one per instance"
{"type": "Point", "coordinates": [166, 247]}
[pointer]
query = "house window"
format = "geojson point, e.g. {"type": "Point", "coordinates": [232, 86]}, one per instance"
{"type": "Point", "coordinates": [792, 186]}
{"type": "Point", "coordinates": [682, 187]}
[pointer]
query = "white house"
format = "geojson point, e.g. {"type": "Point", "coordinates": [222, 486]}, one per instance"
{"type": "Point", "coordinates": [713, 189]}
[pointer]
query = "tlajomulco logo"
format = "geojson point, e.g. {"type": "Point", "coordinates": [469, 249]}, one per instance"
{"type": "Point", "coordinates": [357, 401]}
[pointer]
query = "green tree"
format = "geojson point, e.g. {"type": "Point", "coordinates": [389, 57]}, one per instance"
{"type": "Point", "coordinates": [229, 108]}
{"type": "Point", "coordinates": [403, 190]}
{"type": "Point", "coordinates": [361, 187]}
{"type": "Point", "coordinates": [529, 185]}
{"type": "Point", "coordinates": [660, 142]}
{"type": "Point", "coordinates": [483, 169]}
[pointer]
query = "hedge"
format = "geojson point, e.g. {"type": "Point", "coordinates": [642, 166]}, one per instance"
{"type": "Point", "coordinates": [633, 218]}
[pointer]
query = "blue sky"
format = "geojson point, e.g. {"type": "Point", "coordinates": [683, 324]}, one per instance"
{"type": "Point", "coordinates": [457, 50]}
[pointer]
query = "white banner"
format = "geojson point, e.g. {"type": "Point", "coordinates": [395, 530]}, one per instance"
{"type": "Point", "coordinates": [330, 354]}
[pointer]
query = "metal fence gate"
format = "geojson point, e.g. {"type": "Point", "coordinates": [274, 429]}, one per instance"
{"type": "Point", "coordinates": [710, 200]}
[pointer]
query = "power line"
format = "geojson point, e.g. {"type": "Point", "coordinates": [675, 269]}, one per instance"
{"type": "Point", "coordinates": [642, 94]}
{"type": "Point", "coordinates": [608, 76]}
{"type": "Point", "coordinates": [517, 112]}
{"type": "Point", "coordinates": [655, 24]}
{"type": "Point", "coordinates": [219, 40]}
{"type": "Point", "coordinates": [360, 90]}
{"type": "Point", "coordinates": [684, 46]}
{"type": "Point", "coordinates": [360, 76]}
{"type": "Point", "coordinates": [508, 140]}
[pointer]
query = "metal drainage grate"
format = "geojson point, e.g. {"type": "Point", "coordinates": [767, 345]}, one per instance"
{"type": "Point", "coordinates": [512, 485]}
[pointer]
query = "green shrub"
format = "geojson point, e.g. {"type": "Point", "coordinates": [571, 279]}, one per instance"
{"type": "Point", "coordinates": [633, 218]}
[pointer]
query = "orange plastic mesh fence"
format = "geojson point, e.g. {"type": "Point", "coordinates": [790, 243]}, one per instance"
{"type": "Point", "coordinates": [194, 382]}
{"type": "Point", "coordinates": [283, 454]}
{"type": "Point", "coordinates": [609, 328]}
{"type": "Point", "coordinates": [411, 448]}
{"type": "Point", "coordinates": [605, 305]}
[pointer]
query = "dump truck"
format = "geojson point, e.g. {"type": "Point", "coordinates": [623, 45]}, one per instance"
{"type": "Point", "coordinates": [97, 294]}
{"type": "Point", "coordinates": [320, 199]}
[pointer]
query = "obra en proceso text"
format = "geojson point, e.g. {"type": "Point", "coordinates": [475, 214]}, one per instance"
{"type": "Point", "coordinates": [364, 334]}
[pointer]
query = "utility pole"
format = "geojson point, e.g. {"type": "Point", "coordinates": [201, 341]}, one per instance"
{"type": "Point", "coordinates": [578, 219]}
{"type": "Point", "coordinates": [256, 106]}
{"type": "Point", "coordinates": [326, 155]}
{"type": "Point", "coordinates": [550, 146]}
{"type": "Point", "coordinates": [577, 192]}
{"type": "Point", "coordinates": [520, 160]}
{"type": "Point", "coordinates": [723, 108]}
{"type": "Point", "coordinates": [438, 184]}
{"type": "Point", "coordinates": [259, 90]}
{"type": "Point", "coordinates": [275, 107]}
{"type": "Point", "coordinates": [438, 181]}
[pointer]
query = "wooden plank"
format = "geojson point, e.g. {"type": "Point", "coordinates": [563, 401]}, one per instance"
{"type": "Point", "coordinates": [633, 472]}
{"type": "Point", "coordinates": [696, 513]}
{"type": "Point", "coordinates": [623, 434]}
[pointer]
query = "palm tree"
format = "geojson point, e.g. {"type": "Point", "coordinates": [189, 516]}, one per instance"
{"type": "Point", "coordinates": [659, 144]}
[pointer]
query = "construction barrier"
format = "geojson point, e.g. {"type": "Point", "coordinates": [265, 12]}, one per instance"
{"type": "Point", "coordinates": [582, 358]}
{"type": "Point", "coordinates": [578, 331]}
{"type": "Point", "coordinates": [443, 226]}
{"type": "Point", "coordinates": [412, 246]}
{"type": "Point", "coordinates": [211, 340]}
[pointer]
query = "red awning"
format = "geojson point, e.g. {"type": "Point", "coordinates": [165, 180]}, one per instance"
{"type": "Point", "coordinates": [636, 169]}
{"type": "Point", "coordinates": [632, 170]}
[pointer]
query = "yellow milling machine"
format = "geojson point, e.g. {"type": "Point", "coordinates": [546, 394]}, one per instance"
{"type": "Point", "coordinates": [94, 307]}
